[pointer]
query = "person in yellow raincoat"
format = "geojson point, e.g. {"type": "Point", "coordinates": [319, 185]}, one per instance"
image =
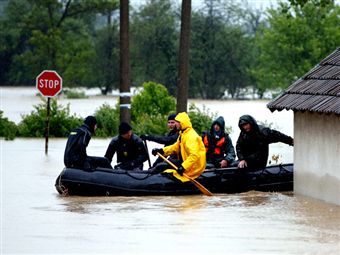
{"type": "Point", "coordinates": [190, 148]}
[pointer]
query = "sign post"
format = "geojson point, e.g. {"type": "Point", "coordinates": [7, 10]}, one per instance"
{"type": "Point", "coordinates": [49, 84]}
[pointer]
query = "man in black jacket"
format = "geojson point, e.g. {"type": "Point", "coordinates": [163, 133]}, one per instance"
{"type": "Point", "coordinates": [131, 152]}
{"type": "Point", "coordinates": [167, 140]}
{"type": "Point", "coordinates": [75, 155]}
{"type": "Point", "coordinates": [252, 146]}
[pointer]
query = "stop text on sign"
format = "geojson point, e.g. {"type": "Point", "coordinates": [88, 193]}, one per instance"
{"type": "Point", "coordinates": [49, 83]}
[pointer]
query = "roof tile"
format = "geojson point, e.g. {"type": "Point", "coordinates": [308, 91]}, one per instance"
{"type": "Point", "coordinates": [317, 91]}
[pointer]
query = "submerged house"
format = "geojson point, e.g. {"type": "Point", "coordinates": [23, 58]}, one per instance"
{"type": "Point", "coordinates": [315, 100]}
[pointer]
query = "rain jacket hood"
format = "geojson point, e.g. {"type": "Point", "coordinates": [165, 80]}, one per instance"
{"type": "Point", "coordinates": [248, 119]}
{"type": "Point", "coordinates": [219, 121]}
{"type": "Point", "coordinates": [184, 119]}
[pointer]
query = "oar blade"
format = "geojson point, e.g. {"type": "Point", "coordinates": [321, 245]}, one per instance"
{"type": "Point", "coordinates": [204, 190]}
{"type": "Point", "coordinates": [196, 183]}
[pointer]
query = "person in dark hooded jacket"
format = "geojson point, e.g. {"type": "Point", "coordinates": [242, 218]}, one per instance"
{"type": "Point", "coordinates": [219, 148]}
{"type": "Point", "coordinates": [131, 152]}
{"type": "Point", "coordinates": [252, 146]}
{"type": "Point", "coordinates": [75, 155]}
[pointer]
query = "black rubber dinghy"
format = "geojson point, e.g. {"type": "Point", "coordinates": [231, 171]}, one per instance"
{"type": "Point", "coordinates": [118, 182]}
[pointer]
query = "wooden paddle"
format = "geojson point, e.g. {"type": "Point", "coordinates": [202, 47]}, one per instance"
{"type": "Point", "coordinates": [197, 184]}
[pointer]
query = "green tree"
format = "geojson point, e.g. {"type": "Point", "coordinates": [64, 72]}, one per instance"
{"type": "Point", "coordinates": [107, 120]}
{"type": "Point", "coordinates": [154, 99]}
{"type": "Point", "coordinates": [61, 122]}
{"type": "Point", "coordinates": [106, 59]}
{"type": "Point", "coordinates": [8, 129]}
{"type": "Point", "coordinates": [150, 108]}
{"type": "Point", "coordinates": [219, 53]}
{"type": "Point", "coordinates": [51, 34]}
{"type": "Point", "coordinates": [201, 120]}
{"type": "Point", "coordinates": [154, 41]}
{"type": "Point", "coordinates": [297, 37]}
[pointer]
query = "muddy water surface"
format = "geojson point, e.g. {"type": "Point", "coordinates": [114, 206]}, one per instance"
{"type": "Point", "coordinates": [36, 220]}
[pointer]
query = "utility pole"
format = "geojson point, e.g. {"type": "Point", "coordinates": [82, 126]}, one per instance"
{"type": "Point", "coordinates": [124, 89]}
{"type": "Point", "coordinates": [183, 71]}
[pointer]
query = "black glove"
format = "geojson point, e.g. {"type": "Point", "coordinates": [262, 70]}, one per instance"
{"type": "Point", "coordinates": [291, 142]}
{"type": "Point", "coordinates": [180, 170]}
{"type": "Point", "coordinates": [155, 151]}
{"type": "Point", "coordinates": [144, 137]}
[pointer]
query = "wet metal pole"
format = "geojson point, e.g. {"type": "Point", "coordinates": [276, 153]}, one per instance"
{"type": "Point", "coordinates": [47, 124]}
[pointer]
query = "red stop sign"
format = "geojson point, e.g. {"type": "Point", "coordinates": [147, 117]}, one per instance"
{"type": "Point", "coordinates": [49, 83]}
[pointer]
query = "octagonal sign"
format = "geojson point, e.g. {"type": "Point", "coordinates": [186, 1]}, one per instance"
{"type": "Point", "coordinates": [49, 83]}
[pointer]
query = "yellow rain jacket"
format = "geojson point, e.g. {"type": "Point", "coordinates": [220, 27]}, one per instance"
{"type": "Point", "coordinates": [191, 148]}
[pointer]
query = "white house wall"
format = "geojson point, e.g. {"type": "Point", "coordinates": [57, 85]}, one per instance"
{"type": "Point", "coordinates": [317, 156]}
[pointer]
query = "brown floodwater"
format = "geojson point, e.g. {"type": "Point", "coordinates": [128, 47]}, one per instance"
{"type": "Point", "coordinates": [35, 219]}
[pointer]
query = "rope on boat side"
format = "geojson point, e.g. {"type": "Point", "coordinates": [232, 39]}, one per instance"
{"type": "Point", "coordinates": [140, 179]}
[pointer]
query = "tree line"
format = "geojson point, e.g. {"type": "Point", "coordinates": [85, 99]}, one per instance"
{"type": "Point", "coordinates": [232, 46]}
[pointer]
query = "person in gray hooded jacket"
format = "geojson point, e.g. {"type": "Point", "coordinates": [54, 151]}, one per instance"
{"type": "Point", "coordinates": [252, 146]}
{"type": "Point", "coordinates": [219, 148]}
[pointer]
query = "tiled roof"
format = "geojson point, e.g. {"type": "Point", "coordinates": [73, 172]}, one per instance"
{"type": "Point", "coordinates": [316, 91]}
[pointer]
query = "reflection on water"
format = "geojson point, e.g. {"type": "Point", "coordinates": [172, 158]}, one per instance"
{"type": "Point", "coordinates": [129, 204]}
{"type": "Point", "coordinates": [169, 204]}
{"type": "Point", "coordinates": [36, 220]}
{"type": "Point", "coordinates": [251, 223]}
